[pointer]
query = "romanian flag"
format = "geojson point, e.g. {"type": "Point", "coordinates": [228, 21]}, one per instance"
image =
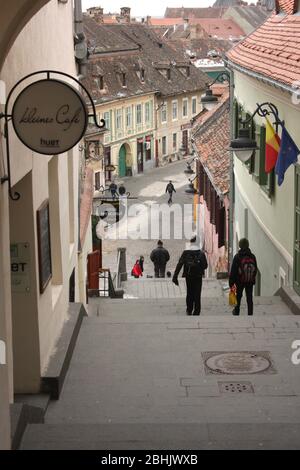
{"type": "Point", "coordinates": [272, 147]}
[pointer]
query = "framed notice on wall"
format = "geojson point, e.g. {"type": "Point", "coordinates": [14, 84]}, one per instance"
{"type": "Point", "coordinates": [44, 246]}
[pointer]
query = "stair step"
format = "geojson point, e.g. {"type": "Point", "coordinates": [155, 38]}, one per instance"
{"type": "Point", "coordinates": [135, 436]}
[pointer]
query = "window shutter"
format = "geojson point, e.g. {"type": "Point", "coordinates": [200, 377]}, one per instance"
{"type": "Point", "coordinates": [263, 177]}
{"type": "Point", "coordinates": [222, 227]}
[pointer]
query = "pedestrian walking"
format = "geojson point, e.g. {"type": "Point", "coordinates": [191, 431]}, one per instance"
{"type": "Point", "coordinates": [137, 270]}
{"type": "Point", "coordinates": [159, 257]}
{"type": "Point", "coordinates": [113, 189]}
{"type": "Point", "coordinates": [170, 189]}
{"type": "Point", "coordinates": [194, 263]}
{"type": "Point", "coordinates": [243, 275]}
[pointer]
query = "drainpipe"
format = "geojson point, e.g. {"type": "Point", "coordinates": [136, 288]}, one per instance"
{"type": "Point", "coordinates": [81, 51]}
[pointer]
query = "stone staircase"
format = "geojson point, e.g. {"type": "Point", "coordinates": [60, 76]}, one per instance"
{"type": "Point", "coordinates": [143, 376]}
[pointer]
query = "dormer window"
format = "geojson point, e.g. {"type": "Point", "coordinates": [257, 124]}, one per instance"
{"type": "Point", "coordinates": [124, 85]}
{"type": "Point", "coordinates": [169, 74]}
{"type": "Point", "coordinates": [142, 75]}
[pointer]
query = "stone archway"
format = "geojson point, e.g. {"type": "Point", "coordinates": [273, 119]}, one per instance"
{"type": "Point", "coordinates": [14, 16]}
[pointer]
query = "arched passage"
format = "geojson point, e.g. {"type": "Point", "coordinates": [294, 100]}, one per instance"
{"type": "Point", "coordinates": [125, 159]}
{"type": "Point", "coordinates": [14, 16]}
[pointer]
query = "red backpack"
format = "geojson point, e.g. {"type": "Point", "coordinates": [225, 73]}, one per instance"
{"type": "Point", "coordinates": [247, 270]}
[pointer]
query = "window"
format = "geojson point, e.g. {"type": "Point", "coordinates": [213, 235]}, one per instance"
{"type": "Point", "coordinates": [164, 145]}
{"type": "Point", "coordinates": [142, 75]}
{"type": "Point", "coordinates": [147, 112]}
{"type": "Point", "coordinates": [194, 105]}
{"type": "Point", "coordinates": [139, 116]}
{"type": "Point", "coordinates": [174, 142]}
{"type": "Point", "coordinates": [124, 80]}
{"type": "Point", "coordinates": [97, 180]}
{"type": "Point", "coordinates": [106, 117]}
{"type": "Point", "coordinates": [169, 74]}
{"type": "Point", "coordinates": [185, 107]}
{"type": "Point", "coordinates": [174, 110]}
{"type": "Point", "coordinates": [164, 113]}
{"type": "Point", "coordinates": [128, 116]}
{"type": "Point", "coordinates": [119, 119]}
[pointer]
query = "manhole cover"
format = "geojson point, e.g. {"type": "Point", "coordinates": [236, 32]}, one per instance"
{"type": "Point", "coordinates": [235, 387]}
{"type": "Point", "coordinates": [238, 362]}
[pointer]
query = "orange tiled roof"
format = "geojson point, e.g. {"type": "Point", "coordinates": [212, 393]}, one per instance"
{"type": "Point", "coordinates": [220, 27]}
{"type": "Point", "coordinates": [212, 136]}
{"type": "Point", "coordinates": [273, 50]}
{"type": "Point", "coordinates": [165, 21]}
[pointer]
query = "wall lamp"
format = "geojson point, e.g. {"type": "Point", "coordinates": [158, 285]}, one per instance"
{"type": "Point", "coordinates": [208, 100]}
{"type": "Point", "coordinates": [191, 188]}
{"type": "Point", "coordinates": [244, 145]}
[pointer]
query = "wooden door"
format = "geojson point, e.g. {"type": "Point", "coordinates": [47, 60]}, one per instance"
{"type": "Point", "coordinates": [122, 161]}
{"type": "Point", "coordinates": [93, 270]}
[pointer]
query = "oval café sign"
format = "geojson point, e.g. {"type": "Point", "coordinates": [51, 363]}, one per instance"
{"type": "Point", "coordinates": [49, 117]}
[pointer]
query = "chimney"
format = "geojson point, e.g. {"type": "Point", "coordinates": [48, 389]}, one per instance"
{"type": "Point", "coordinates": [99, 15]}
{"type": "Point", "coordinates": [96, 13]}
{"type": "Point", "coordinates": [186, 23]}
{"type": "Point", "coordinates": [148, 20]}
{"type": "Point", "coordinates": [125, 14]}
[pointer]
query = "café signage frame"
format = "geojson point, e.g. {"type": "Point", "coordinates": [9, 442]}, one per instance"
{"type": "Point", "coordinates": [8, 115]}
{"type": "Point", "coordinates": [54, 125]}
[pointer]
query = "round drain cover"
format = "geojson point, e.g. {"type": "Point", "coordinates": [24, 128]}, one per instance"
{"type": "Point", "coordinates": [238, 363]}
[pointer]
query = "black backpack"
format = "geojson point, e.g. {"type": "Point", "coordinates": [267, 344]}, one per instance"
{"type": "Point", "coordinates": [247, 270]}
{"type": "Point", "coordinates": [193, 264]}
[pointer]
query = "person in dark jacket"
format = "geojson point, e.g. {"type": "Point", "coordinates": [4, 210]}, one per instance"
{"type": "Point", "coordinates": [243, 274]}
{"type": "Point", "coordinates": [194, 263]}
{"type": "Point", "coordinates": [170, 189]}
{"type": "Point", "coordinates": [159, 257]}
{"type": "Point", "coordinates": [113, 189]}
{"type": "Point", "coordinates": [141, 261]}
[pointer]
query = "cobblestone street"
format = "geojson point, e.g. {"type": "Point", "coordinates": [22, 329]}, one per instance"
{"type": "Point", "coordinates": [148, 189]}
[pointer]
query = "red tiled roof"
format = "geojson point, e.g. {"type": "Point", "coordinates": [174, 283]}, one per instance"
{"type": "Point", "coordinates": [222, 28]}
{"type": "Point", "coordinates": [165, 21]}
{"type": "Point", "coordinates": [212, 136]}
{"type": "Point", "coordinates": [273, 50]}
{"type": "Point", "coordinates": [219, 27]}
{"type": "Point", "coordinates": [288, 6]}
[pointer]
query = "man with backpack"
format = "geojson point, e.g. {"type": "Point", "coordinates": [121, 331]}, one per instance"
{"type": "Point", "coordinates": [170, 189]}
{"type": "Point", "coordinates": [159, 257]}
{"type": "Point", "coordinates": [194, 264]}
{"type": "Point", "coordinates": [243, 274]}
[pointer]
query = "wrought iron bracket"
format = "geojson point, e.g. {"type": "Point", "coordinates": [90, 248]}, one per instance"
{"type": "Point", "coordinates": [15, 196]}
{"type": "Point", "coordinates": [263, 110]}
{"type": "Point", "coordinates": [222, 77]}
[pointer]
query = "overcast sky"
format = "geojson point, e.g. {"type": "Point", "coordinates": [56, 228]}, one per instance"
{"type": "Point", "coordinates": [143, 7]}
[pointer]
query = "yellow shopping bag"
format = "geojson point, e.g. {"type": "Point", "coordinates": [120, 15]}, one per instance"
{"type": "Point", "coordinates": [232, 297]}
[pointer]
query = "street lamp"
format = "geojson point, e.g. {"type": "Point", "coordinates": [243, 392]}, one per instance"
{"type": "Point", "coordinates": [208, 100]}
{"type": "Point", "coordinates": [243, 146]}
{"type": "Point", "coordinates": [190, 187]}
{"type": "Point", "coordinates": [189, 170]}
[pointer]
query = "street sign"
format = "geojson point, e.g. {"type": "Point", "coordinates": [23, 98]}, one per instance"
{"type": "Point", "coordinates": [110, 168]}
